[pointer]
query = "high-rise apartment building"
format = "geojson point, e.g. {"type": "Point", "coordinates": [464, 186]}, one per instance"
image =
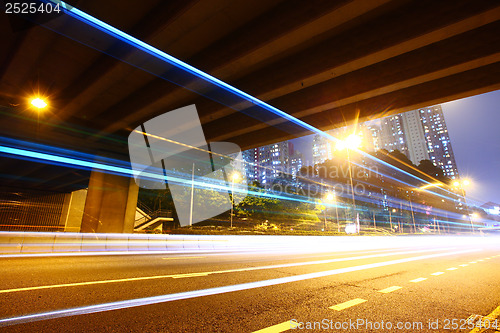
{"type": "Point", "coordinates": [438, 140]}
{"type": "Point", "coordinates": [415, 138]}
{"type": "Point", "coordinates": [421, 135]}
{"type": "Point", "coordinates": [266, 163]}
{"type": "Point", "coordinates": [321, 149]}
{"type": "Point", "coordinates": [392, 134]}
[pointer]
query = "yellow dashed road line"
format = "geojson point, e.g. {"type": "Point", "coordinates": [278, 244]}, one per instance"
{"type": "Point", "coordinates": [437, 273]}
{"type": "Point", "coordinates": [418, 280]}
{"type": "Point", "coordinates": [390, 289]}
{"type": "Point", "coordinates": [451, 269]}
{"type": "Point", "coordinates": [348, 304]}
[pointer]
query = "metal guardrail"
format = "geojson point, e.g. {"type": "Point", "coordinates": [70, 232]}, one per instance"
{"type": "Point", "coordinates": [58, 243]}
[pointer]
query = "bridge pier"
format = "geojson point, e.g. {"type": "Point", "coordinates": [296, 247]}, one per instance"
{"type": "Point", "coordinates": [110, 205]}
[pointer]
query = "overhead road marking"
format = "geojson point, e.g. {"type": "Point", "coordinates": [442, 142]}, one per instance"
{"type": "Point", "coordinates": [285, 326]}
{"type": "Point", "coordinates": [125, 304]}
{"type": "Point", "coordinates": [418, 280]}
{"type": "Point", "coordinates": [451, 269]}
{"type": "Point", "coordinates": [198, 274]}
{"type": "Point", "coordinates": [390, 289]}
{"type": "Point", "coordinates": [437, 273]}
{"type": "Point", "coordinates": [348, 304]}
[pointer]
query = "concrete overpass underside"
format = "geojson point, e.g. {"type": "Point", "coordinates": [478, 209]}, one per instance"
{"type": "Point", "coordinates": [324, 62]}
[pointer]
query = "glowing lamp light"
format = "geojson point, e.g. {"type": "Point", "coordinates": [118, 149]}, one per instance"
{"type": "Point", "coordinates": [235, 177]}
{"type": "Point", "coordinates": [330, 197]}
{"type": "Point", "coordinates": [38, 103]}
{"type": "Point", "coordinates": [353, 141]}
{"type": "Point", "coordinates": [464, 182]}
{"type": "Point", "coordinates": [351, 228]}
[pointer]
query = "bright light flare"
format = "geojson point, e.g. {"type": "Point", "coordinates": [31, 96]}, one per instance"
{"type": "Point", "coordinates": [351, 228]}
{"type": "Point", "coordinates": [464, 182]}
{"type": "Point", "coordinates": [235, 176]}
{"type": "Point", "coordinates": [38, 103]}
{"type": "Point", "coordinates": [352, 142]}
{"type": "Point", "coordinates": [330, 197]}
{"type": "Point", "coordinates": [429, 185]}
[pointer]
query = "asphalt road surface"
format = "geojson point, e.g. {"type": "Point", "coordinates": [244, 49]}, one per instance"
{"type": "Point", "coordinates": [428, 288]}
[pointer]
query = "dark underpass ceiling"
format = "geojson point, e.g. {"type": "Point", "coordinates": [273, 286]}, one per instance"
{"type": "Point", "coordinates": [321, 61]}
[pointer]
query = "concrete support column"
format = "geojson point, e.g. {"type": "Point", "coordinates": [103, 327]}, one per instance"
{"type": "Point", "coordinates": [73, 207]}
{"type": "Point", "coordinates": [111, 204]}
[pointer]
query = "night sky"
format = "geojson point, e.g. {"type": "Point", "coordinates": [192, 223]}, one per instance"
{"type": "Point", "coordinates": [474, 127]}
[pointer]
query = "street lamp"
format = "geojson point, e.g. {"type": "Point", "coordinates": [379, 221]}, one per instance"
{"type": "Point", "coordinates": [38, 103]}
{"type": "Point", "coordinates": [331, 197]}
{"type": "Point", "coordinates": [328, 198]}
{"type": "Point", "coordinates": [234, 178]}
{"type": "Point", "coordinates": [352, 142]}
{"type": "Point", "coordinates": [459, 185]}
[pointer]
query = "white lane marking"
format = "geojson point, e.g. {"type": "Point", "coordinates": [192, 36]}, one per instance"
{"type": "Point", "coordinates": [198, 274]}
{"type": "Point", "coordinates": [437, 273]}
{"type": "Point", "coordinates": [348, 304]}
{"type": "Point", "coordinates": [208, 292]}
{"type": "Point", "coordinates": [451, 269]}
{"type": "Point", "coordinates": [390, 289]}
{"type": "Point", "coordinates": [418, 280]}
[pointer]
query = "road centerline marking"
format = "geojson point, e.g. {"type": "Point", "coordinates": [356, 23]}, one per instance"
{"type": "Point", "coordinates": [451, 269]}
{"type": "Point", "coordinates": [437, 273]}
{"type": "Point", "coordinates": [200, 274]}
{"type": "Point", "coordinates": [420, 279]}
{"type": "Point", "coordinates": [390, 289]}
{"type": "Point", "coordinates": [348, 304]}
{"type": "Point", "coordinates": [130, 303]}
